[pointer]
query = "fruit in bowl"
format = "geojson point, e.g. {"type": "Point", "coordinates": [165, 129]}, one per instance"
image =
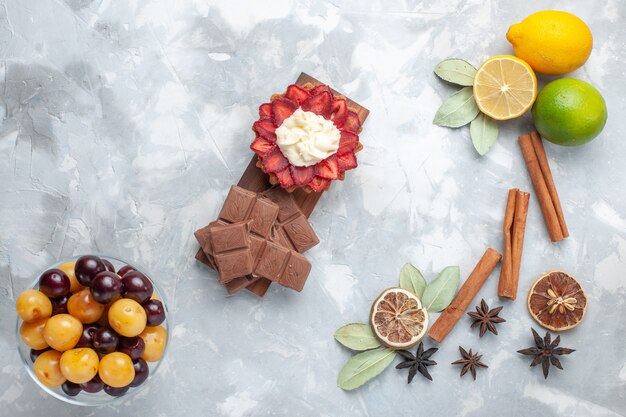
{"type": "Point", "coordinates": [306, 138]}
{"type": "Point", "coordinates": [90, 330]}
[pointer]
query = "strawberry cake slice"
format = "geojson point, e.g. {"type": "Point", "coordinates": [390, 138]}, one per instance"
{"type": "Point", "coordinates": [306, 138]}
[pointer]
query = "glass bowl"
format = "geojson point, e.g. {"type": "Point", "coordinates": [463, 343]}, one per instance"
{"type": "Point", "coordinates": [99, 398]}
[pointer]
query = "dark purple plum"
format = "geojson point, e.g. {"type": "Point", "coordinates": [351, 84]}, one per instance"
{"type": "Point", "coordinates": [93, 386]}
{"type": "Point", "coordinates": [87, 267]}
{"type": "Point", "coordinates": [34, 354]}
{"type": "Point", "coordinates": [137, 287]}
{"type": "Point", "coordinates": [59, 305]}
{"type": "Point", "coordinates": [54, 283]}
{"type": "Point", "coordinates": [105, 286]}
{"type": "Point", "coordinates": [116, 392]}
{"type": "Point", "coordinates": [154, 312]}
{"type": "Point", "coordinates": [71, 388]}
{"type": "Point", "coordinates": [141, 372]}
{"type": "Point", "coordinates": [123, 270]}
{"type": "Point", "coordinates": [105, 340]}
{"type": "Point", "coordinates": [86, 339]}
{"type": "Point", "coordinates": [108, 265]}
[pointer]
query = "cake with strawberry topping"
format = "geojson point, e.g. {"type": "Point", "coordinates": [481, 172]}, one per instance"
{"type": "Point", "coordinates": [306, 138]}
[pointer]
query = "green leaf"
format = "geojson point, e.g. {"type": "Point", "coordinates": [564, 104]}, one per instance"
{"type": "Point", "coordinates": [484, 133]}
{"type": "Point", "coordinates": [364, 366]}
{"type": "Point", "coordinates": [456, 71]}
{"type": "Point", "coordinates": [357, 336]}
{"type": "Point", "coordinates": [411, 279]}
{"type": "Point", "coordinates": [458, 110]}
{"type": "Point", "coordinates": [440, 291]}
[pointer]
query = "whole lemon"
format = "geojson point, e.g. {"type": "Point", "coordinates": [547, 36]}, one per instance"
{"type": "Point", "coordinates": [569, 112]}
{"type": "Point", "coordinates": [551, 41]}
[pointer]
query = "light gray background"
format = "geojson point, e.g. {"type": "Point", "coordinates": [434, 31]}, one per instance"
{"type": "Point", "coordinates": [127, 121]}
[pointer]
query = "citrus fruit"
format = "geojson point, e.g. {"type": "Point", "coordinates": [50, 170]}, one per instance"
{"type": "Point", "coordinates": [398, 319]}
{"type": "Point", "coordinates": [557, 301]}
{"type": "Point", "coordinates": [569, 112]}
{"type": "Point", "coordinates": [505, 87]}
{"type": "Point", "coordinates": [551, 41]}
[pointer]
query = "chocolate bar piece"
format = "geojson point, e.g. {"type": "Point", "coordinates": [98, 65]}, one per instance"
{"type": "Point", "coordinates": [264, 213]}
{"type": "Point", "coordinates": [287, 267]}
{"type": "Point", "coordinates": [238, 252]}
{"type": "Point", "coordinates": [241, 205]}
{"type": "Point", "coordinates": [226, 238]}
{"type": "Point", "coordinates": [238, 205]}
{"type": "Point", "coordinates": [231, 250]}
{"type": "Point", "coordinates": [269, 250]}
{"type": "Point", "coordinates": [259, 287]}
{"type": "Point", "coordinates": [201, 257]}
{"type": "Point", "coordinates": [239, 283]}
{"type": "Point", "coordinates": [293, 228]}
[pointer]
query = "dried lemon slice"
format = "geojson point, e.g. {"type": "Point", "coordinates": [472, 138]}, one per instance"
{"type": "Point", "coordinates": [505, 87]}
{"type": "Point", "coordinates": [398, 319]}
{"type": "Point", "coordinates": [557, 301]}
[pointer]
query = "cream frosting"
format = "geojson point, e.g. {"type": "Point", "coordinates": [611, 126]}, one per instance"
{"type": "Point", "coordinates": [306, 138]}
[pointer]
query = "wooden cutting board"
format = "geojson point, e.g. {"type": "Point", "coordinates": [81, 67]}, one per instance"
{"type": "Point", "coordinates": [254, 179]}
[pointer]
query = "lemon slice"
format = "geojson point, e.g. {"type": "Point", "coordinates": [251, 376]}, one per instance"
{"type": "Point", "coordinates": [398, 318]}
{"type": "Point", "coordinates": [505, 87]}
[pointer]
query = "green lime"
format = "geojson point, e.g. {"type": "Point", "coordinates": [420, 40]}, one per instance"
{"type": "Point", "coordinates": [569, 112]}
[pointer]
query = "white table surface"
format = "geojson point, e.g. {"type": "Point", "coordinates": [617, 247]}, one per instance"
{"type": "Point", "coordinates": [127, 121]}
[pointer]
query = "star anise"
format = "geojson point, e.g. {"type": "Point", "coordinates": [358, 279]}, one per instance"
{"type": "Point", "coordinates": [470, 361]}
{"type": "Point", "coordinates": [546, 351]}
{"type": "Point", "coordinates": [417, 363]}
{"type": "Point", "coordinates": [485, 318]}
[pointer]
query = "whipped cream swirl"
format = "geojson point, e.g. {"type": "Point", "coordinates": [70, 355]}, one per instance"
{"type": "Point", "coordinates": [306, 138]}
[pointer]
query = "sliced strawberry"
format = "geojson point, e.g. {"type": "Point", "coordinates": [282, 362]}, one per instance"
{"type": "Point", "coordinates": [284, 176]}
{"type": "Point", "coordinates": [320, 88]}
{"type": "Point", "coordinates": [282, 108]}
{"type": "Point", "coordinates": [347, 161]}
{"type": "Point", "coordinates": [265, 128]}
{"type": "Point", "coordinates": [318, 184]}
{"type": "Point", "coordinates": [262, 146]}
{"type": "Point", "coordinates": [265, 110]}
{"type": "Point", "coordinates": [302, 175]}
{"type": "Point", "coordinates": [275, 161]}
{"type": "Point", "coordinates": [352, 123]}
{"type": "Point", "coordinates": [319, 104]}
{"type": "Point", "coordinates": [339, 112]}
{"type": "Point", "coordinates": [347, 143]}
{"type": "Point", "coordinates": [328, 168]}
{"type": "Point", "coordinates": [297, 94]}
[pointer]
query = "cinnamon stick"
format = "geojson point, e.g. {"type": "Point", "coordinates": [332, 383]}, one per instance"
{"type": "Point", "coordinates": [514, 229]}
{"type": "Point", "coordinates": [506, 272]}
{"type": "Point", "coordinates": [466, 294]}
{"type": "Point", "coordinates": [532, 154]}
{"type": "Point", "coordinates": [542, 158]}
{"type": "Point", "coordinates": [519, 229]}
